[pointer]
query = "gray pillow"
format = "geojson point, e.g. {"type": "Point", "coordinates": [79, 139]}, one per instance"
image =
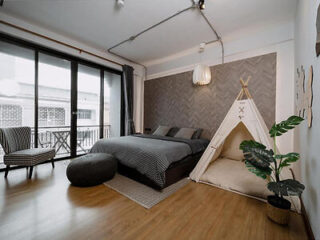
{"type": "Point", "coordinates": [185, 133]}
{"type": "Point", "coordinates": [173, 131]}
{"type": "Point", "coordinates": [162, 131]}
{"type": "Point", "coordinates": [197, 133]}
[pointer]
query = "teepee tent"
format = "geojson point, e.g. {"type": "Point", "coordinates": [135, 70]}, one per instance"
{"type": "Point", "coordinates": [221, 164]}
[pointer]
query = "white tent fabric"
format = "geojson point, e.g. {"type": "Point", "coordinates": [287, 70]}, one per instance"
{"type": "Point", "coordinates": [246, 112]}
{"type": "Point", "coordinates": [243, 111]}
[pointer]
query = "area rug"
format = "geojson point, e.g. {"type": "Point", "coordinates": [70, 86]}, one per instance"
{"type": "Point", "coordinates": [140, 193]}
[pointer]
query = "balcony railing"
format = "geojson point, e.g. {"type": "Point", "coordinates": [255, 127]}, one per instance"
{"type": "Point", "coordinates": [58, 137]}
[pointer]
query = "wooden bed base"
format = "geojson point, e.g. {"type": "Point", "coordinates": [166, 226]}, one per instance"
{"type": "Point", "coordinates": [173, 174]}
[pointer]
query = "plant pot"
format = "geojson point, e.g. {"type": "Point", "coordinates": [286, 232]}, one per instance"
{"type": "Point", "coordinates": [278, 210]}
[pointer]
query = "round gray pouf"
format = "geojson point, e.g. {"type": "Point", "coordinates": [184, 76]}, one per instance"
{"type": "Point", "coordinates": [91, 169]}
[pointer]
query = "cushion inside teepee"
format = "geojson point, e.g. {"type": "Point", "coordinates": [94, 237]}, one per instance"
{"type": "Point", "coordinates": [231, 144]}
{"type": "Point", "coordinates": [233, 175]}
{"type": "Point", "coordinates": [228, 171]}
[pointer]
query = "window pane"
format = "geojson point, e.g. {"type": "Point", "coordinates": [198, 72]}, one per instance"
{"type": "Point", "coordinates": [88, 108]}
{"type": "Point", "coordinates": [17, 88]}
{"type": "Point", "coordinates": [54, 104]}
{"type": "Point", "coordinates": [112, 105]}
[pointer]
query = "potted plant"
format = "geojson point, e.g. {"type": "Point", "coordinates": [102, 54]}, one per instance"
{"type": "Point", "coordinates": [268, 164]}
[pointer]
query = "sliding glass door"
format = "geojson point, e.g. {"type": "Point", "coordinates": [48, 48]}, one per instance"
{"type": "Point", "coordinates": [54, 93]}
{"type": "Point", "coordinates": [88, 113]}
{"type": "Point", "coordinates": [112, 105]}
{"type": "Point", "coordinates": [68, 102]}
{"type": "Point", "coordinates": [17, 73]}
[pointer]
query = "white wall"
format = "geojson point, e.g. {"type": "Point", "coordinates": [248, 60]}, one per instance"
{"type": "Point", "coordinates": [307, 140]}
{"type": "Point", "coordinates": [139, 72]}
{"type": "Point", "coordinates": [277, 39]}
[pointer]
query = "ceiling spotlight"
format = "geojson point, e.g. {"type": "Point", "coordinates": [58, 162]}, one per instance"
{"type": "Point", "coordinates": [120, 3]}
{"type": "Point", "coordinates": [201, 4]}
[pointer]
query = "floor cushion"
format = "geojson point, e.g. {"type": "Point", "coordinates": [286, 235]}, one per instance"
{"type": "Point", "coordinates": [91, 169]}
{"type": "Point", "coordinates": [234, 175]}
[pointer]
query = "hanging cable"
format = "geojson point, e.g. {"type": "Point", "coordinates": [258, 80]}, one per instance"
{"type": "Point", "coordinates": [151, 27]}
{"type": "Point", "coordinates": [219, 39]}
{"type": "Point", "coordinates": [195, 5]}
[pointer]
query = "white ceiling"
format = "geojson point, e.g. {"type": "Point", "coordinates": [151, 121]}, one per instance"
{"type": "Point", "coordinates": [101, 24]}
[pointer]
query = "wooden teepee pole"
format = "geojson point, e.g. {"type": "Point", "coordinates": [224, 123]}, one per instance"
{"type": "Point", "coordinates": [244, 90]}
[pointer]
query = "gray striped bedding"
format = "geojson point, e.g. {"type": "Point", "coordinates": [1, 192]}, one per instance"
{"type": "Point", "coordinates": [148, 154]}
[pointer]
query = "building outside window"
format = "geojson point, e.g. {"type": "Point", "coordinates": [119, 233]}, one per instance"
{"type": "Point", "coordinates": [84, 114]}
{"type": "Point", "coordinates": [51, 116]}
{"type": "Point", "coordinates": [10, 116]}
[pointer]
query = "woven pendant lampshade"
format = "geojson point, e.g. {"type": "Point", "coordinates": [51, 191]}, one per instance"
{"type": "Point", "coordinates": [201, 75]}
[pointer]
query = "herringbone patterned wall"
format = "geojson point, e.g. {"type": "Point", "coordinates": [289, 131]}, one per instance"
{"type": "Point", "coordinates": [175, 101]}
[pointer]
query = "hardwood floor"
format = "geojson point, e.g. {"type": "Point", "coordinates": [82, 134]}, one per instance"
{"type": "Point", "coordinates": [47, 207]}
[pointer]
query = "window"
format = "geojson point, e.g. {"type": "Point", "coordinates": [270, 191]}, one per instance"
{"type": "Point", "coordinates": [51, 116]}
{"type": "Point", "coordinates": [10, 116]}
{"type": "Point", "coordinates": [84, 114]}
{"type": "Point", "coordinates": [112, 105]}
{"type": "Point", "coordinates": [17, 86]}
{"type": "Point", "coordinates": [38, 87]}
{"type": "Point", "coordinates": [17, 72]}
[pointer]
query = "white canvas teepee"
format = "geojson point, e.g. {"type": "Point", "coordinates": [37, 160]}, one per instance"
{"type": "Point", "coordinates": [229, 174]}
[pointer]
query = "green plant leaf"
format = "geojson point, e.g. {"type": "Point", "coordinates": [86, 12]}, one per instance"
{"type": "Point", "coordinates": [251, 144]}
{"type": "Point", "coordinates": [288, 187]}
{"type": "Point", "coordinates": [257, 154]}
{"type": "Point", "coordinates": [288, 155]}
{"type": "Point", "coordinates": [260, 172]}
{"type": "Point", "coordinates": [287, 159]}
{"type": "Point", "coordinates": [284, 126]}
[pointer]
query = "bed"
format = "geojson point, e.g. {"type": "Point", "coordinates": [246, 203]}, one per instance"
{"type": "Point", "coordinates": [157, 161]}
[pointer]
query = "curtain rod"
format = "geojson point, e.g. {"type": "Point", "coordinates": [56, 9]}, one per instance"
{"type": "Point", "coordinates": [59, 42]}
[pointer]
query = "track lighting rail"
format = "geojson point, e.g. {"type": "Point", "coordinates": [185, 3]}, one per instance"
{"type": "Point", "coordinates": [194, 6]}
{"type": "Point", "coordinates": [151, 27]}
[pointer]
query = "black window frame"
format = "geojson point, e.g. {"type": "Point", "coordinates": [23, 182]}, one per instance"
{"type": "Point", "coordinates": [75, 61]}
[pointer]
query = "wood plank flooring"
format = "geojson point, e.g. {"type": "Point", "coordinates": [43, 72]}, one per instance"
{"type": "Point", "coordinates": [47, 207]}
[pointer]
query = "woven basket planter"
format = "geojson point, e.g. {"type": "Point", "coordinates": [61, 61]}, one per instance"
{"type": "Point", "coordinates": [279, 213]}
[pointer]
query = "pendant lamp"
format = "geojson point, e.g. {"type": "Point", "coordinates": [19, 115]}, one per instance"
{"type": "Point", "coordinates": [201, 73]}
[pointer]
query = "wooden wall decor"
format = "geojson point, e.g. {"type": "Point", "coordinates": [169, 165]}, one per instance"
{"type": "Point", "coordinates": [318, 33]}
{"type": "Point", "coordinates": [304, 95]}
{"type": "Point", "coordinates": [310, 96]}
{"type": "Point", "coordinates": [300, 93]}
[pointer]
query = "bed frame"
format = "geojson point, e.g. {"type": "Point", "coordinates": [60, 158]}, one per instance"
{"type": "Point", "coordinates": [173, 174]}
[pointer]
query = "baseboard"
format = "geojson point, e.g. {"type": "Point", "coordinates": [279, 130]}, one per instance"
{"type": "Point", "coordinates": [306, 222]}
